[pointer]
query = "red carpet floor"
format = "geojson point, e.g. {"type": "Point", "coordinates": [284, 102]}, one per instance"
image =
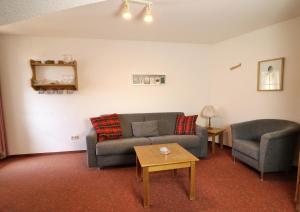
{"type": "Point", "coordinates": [63, 183]}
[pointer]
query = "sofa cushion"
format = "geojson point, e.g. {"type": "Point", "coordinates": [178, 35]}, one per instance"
{"type": "Point", "coordinates": [247, 147]}
{"type": "Point", "coordinates": [145, 128]}
{"type": "Point", "coordinates": [126, 120]}
{"type": "Point", "coordinates": [107, 127]}
{"type": "Point", "coordinates": [186, 125]}
{"type": "Point", "coordinates": [186, 141]}
{"type": "Point", "coordinates": [120, 146]}
{"type": "Point", "coordinates": [166, 121]}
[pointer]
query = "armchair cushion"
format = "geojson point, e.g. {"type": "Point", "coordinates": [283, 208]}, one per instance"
{"type": "Point", "coordinates": [247, 147]}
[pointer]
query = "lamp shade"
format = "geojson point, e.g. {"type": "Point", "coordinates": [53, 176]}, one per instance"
{"type": "Point", "coordinates": [208, 111]}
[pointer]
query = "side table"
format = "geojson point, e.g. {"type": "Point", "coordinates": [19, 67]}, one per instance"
{"type": "Point", "coordinates": [213, 132]}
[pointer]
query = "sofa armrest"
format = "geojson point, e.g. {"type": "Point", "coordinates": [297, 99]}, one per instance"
{"type": "Point", "coordinates": [277, 149]}
{"type": "Point", "coordinates": [203, 138]}
{"type": "Point", "coordinates": [91, 141]}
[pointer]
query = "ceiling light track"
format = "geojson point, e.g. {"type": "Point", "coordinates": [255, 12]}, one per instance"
{"type": "Point", "coordinates": [145, 2]}
{"type": "Point", "coordinates": [148, 18]}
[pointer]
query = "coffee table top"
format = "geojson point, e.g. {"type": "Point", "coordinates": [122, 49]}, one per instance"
{"type": "Point", "coordinates": [149, 155]}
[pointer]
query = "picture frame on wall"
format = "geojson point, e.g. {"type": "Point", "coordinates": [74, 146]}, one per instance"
{"type": "Point", "coordinates": [270, 74]}
{"type": "Point", "coordinates": [148, 79]}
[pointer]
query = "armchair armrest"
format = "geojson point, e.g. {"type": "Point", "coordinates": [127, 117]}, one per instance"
{"type": "Point", "coordinates": [277, 149]}
{"type": "Point", "coordinates": [203, 137]}
{"type": "Point", "coordinates": [91, 141]}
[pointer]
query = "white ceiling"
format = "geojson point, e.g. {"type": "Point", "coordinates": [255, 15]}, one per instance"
{"type": "Point", "coordinates": [17, 10]}
{"type": "Point", "coordinates": [195, 21]}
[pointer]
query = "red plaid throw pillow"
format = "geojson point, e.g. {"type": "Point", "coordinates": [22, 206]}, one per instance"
{"type": "Point", "coordinates": [107, 127]}
{"type": "Point", "coordinates": [186, 125]}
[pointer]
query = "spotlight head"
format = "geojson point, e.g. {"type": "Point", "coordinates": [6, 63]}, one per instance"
{"type": "Point", "coordinates": [126, 13]}
{"type": "Point", "coordinates": [148, 16]}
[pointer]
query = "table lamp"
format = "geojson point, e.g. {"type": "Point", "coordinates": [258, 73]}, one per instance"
{"type": "Point", "coordinates": [208, 112]}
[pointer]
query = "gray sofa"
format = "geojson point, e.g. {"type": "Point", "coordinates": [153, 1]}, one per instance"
{"type": "Point", "coordinates": [121, 152]}
{"type": "Point", "coordinates": [267, 145]}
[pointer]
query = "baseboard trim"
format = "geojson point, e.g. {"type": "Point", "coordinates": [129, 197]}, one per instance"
{"type": "Point", "coordinates": [46, 153]}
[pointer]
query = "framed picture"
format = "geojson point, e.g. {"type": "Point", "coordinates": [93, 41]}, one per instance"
{"type": "Point", "coordinates": [270, 75]}
{"type": "Point", "coordinates": [148, 79]}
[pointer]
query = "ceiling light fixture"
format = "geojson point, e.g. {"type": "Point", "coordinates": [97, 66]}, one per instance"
{"type": "Point", "coordinates": [148, 10]}
{"type": "Point", "coordinates": [126, 13]}
{"type": "Point", "coordinates": [148, 14]}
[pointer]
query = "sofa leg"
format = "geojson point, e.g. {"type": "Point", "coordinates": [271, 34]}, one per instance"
{"type": "Point", "coordinates": [261, 176]}
{"type": "Point", "coordinates": [234, 161]}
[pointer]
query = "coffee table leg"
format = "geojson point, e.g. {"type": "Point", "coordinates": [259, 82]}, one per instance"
{"type": "Point", "coordinates": [192, 181]}
{"type": "Point", "coordinates": [213, 144]}
{"type": "Point", "coordinates": [146, 187]}
{"type": "Point", "coordinates": [138, 169]}
{"type": "Point", "coordinates": [221, 140]}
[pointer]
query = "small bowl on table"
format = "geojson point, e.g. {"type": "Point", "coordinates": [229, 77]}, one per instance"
{"type": "Point", "coordinates": [164, 150]}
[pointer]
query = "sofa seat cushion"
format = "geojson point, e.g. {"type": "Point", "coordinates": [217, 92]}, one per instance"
{"type": "Point", "coordinates": [186, 141]}
{"type": "Point", "coordinates": [120, 146]}
{"type": "Point", "coordinates": [247, 147]}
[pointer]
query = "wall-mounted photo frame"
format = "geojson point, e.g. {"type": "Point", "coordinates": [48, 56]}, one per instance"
{"type": "Point", "coordinates": [270, 75]}
{"type": "Point", "coordinates": [148, 79]}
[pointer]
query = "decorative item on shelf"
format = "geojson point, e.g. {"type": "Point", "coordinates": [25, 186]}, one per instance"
{"type": "Point", "coordinates": [61, 62]}
{"type": "Point", "coordinates": [68, 79]}
{"type": "Point", "coordinates": [37, 62]}
{"type": "Point", "coordinates": [164, 150]}
{"type": "Point", "coordinates": [208, 112]}
{"type": "Point", "coordinates": [49, 62]}
{"type": "Point", "coordinates": [270, 75]}
{"type": "Point", "coordinates": [54, 82]}
{"type": "Point", "coordinates": [41, 91]}
{"type": "Point", "coordinates": [68, 59]}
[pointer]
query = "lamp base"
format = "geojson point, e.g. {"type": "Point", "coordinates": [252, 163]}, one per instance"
{"type": "Point", "coordinates": [209, 124]}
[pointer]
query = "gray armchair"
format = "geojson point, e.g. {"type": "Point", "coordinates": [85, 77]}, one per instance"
{"type": "Point", "coordinates": [267, 145]}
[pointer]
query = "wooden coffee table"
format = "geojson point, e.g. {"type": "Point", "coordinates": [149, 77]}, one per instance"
{"type": "Point", "coordinates": [149, 159]}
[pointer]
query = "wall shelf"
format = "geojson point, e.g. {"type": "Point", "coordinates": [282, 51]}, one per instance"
{"type": "Point", "coordinates": [36, 68]}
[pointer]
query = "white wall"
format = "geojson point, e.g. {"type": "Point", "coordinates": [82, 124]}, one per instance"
{"type": "Point", "coordinates": [44, 123]}
{"type": "Point", "coordinates": [234, 92]}
{"type": "Point", "coordinates": [196, 75]}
